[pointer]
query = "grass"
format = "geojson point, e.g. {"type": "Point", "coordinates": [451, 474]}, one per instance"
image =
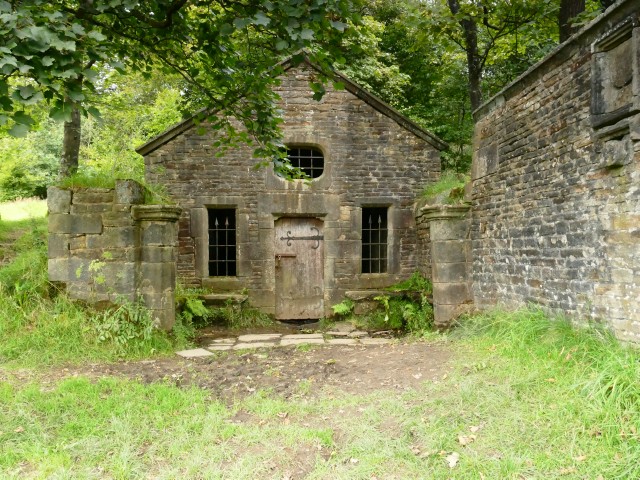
{"type": "Point", "coordinates": [448, 189]}
{"type": "Point", "coordinates": [530, 398]}
{"type": "Point", "coordinates": [20, 210]}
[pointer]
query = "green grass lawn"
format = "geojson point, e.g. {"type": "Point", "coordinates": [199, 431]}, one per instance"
{"type": "Point", "coordinates": [529, 398]}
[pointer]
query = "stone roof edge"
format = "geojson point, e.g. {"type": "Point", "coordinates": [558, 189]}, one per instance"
{"type": "Point", "coordinates": [352, 87]}
{"type": "Point", "coordinates": [506, 91]}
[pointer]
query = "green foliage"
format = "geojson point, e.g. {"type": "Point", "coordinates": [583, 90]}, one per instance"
{"type": "Point", "coordinates": [29, 163]}
{"type": "Point", "coordinates": [25, 277]}
{"type": "Point", "coordinates": [589, 360]}
{"type": "Point", "coordinates": [343, 308]}
{"type": "Point", "coordinates": [370, 66]}
{"type": "Point", "coordinates": [239, 316]}
{"type": "Point", "coordinates": [124, 325]}
{"type": "Point", "coordinates": [88, 178]}
{"type": "Point", "coordinates": [408, 309]}
{"type": "Point", "coordinates": [193, 313]}
{"type": "Point", "coordinates": [415, 283]}
{"type": "Point", "coordinates": [223, 52]}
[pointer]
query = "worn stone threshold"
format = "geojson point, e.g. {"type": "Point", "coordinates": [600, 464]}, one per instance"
{"type": "Point", "coordinates": [273, 340]}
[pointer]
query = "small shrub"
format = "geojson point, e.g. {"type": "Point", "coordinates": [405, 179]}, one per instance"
{"type": "Point", "coordinates": [416, 283]}
{"type": "Point", "coordinates": [344, 308]}
{"type": "Point", "coordinates": [193, 313]}
{"type": "Point", "coordinates": [124, 324]}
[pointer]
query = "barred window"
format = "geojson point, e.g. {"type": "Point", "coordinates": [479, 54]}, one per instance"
{"type": "Point", "coordinates": [222, 242]}
{"type": "Point", "coordinates": [374, 240]}
{"type": "Point", "coordinates": [309, 160]}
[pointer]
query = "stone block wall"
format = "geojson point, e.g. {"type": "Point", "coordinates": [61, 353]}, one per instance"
{"type": "Point", "coordinates": [556, 180]}
{"type": "Point", "coordinates": [105, 246]}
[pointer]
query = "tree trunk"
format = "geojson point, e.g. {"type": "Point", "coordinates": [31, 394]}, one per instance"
{"type": "Point", "coordinates": [70, 145]}
{"type": "Point", "coordinates": [474, 63]}
{"type": "Point", "coordinates": [604, 4]}
{"type": "Point", "coordinates": [568, 10]}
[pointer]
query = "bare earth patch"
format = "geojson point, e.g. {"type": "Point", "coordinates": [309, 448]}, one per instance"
{"type": "Point", "coordinates": [285, 371]}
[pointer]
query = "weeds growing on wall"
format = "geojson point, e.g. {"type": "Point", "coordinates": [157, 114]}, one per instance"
{"type": "Point", "coordinates": [406, 308]}
{"type": "Point", "coordinates": [449, 189]}
{"type": "Point", "coordinates": [193, 313]}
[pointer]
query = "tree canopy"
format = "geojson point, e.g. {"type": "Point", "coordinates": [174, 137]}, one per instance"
{"type": "Point", "coordinates": [434, 60]}
{"type": "Point", "coordinates": [57, 50]}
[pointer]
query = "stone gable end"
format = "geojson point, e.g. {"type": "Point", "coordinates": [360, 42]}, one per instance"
{"type": "Point", "coordinates": [372, 160]}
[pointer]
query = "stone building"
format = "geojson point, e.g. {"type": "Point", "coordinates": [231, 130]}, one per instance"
{"type": "Point", "coordinates": [556, 180]}
{"type": "Point", "coordinates": [297, 248]}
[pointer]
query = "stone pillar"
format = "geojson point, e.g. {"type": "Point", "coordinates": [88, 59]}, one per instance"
{"type": "Point", "coordinates": [450, 257]}
{"type": "Point", "coordinates": [157, 267]}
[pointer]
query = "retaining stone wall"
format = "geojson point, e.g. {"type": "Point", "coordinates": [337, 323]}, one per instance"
{"type": "Point", "coordinates": [106, 247]}
{"type": "Point", "coordinates": [556, 181]}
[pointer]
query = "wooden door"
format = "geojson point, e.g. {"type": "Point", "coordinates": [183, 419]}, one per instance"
{"type": "Point", "coordinates": [299, 249]}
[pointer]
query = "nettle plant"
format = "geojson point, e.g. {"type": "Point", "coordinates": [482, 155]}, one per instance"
{"type": "Point", "coordinates": [124, 323]}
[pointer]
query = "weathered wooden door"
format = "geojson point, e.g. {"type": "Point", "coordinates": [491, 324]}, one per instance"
{"type": "Point", "coordinates": [299, 249]}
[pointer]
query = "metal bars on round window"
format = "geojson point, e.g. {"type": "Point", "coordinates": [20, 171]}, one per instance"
{"type": "Point", "coordinates": [222, 242]}
{"type": "Point", "coordinates": [309, 160]}
{"type": "Point", "coordinates": [374, 239]}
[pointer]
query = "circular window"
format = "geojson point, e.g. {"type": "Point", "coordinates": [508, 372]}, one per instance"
{"type": "Point", "coordinates": [309, 160]}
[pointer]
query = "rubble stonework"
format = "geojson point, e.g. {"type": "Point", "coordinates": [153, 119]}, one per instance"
{"type": "Point", "coordinates": [556, 180]}
{"type": "Point", "coordinates": [105, 246]}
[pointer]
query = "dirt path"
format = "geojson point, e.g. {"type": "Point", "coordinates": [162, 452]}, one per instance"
{"type": "Point", "coordinates": [285, 371]}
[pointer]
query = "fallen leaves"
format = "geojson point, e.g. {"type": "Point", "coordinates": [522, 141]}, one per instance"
{"type": "Point", "coordinates": [465, 440]}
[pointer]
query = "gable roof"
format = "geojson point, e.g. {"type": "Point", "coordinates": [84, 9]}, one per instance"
{"type": "Point", "coordinates": [352, 87]}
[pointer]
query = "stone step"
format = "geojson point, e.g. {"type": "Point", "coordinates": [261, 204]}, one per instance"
{"type": "Point", "coordinates": [219, 299]}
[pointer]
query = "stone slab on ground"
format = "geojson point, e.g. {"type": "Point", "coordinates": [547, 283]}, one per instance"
{"type": "Point", "coordinates": [285, 342]}
{"type": "Point", "coordinates": [342, 327]}
{"type": "Point", "coordinates": [375, 341]}
{"type": "Point", "coordinates": [194, 353]}
{"type": "Point", "coordinates": [342, 341]}
{"type": "Point", "coordinates": [248, 345]}
{"type": "Point", "coordinates": [302, 335]}
{"type": "Point", "coordinates": [261, 337]}
{"type": "Point", "coordinates": [220, 347]}
{"type": "Point", "coordinates": [334, 333]}
{"type": "Point", "coordinates": [358, 334]}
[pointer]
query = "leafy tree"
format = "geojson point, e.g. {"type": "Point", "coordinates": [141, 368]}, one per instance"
{"type": "Point", "coordinates": [486, 31]}
{"type": "Point", "coordinates": [29, 164]}
{"type": "Point", "coordinates": [54, 51]}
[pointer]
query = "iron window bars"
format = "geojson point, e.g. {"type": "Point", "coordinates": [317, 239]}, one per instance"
{"type": "Point", "coordinates": [222, 242]}
{"type": "Point", "coordinates": [309, 160]}
{"type": "Point", "coordinates": [374, 239]}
